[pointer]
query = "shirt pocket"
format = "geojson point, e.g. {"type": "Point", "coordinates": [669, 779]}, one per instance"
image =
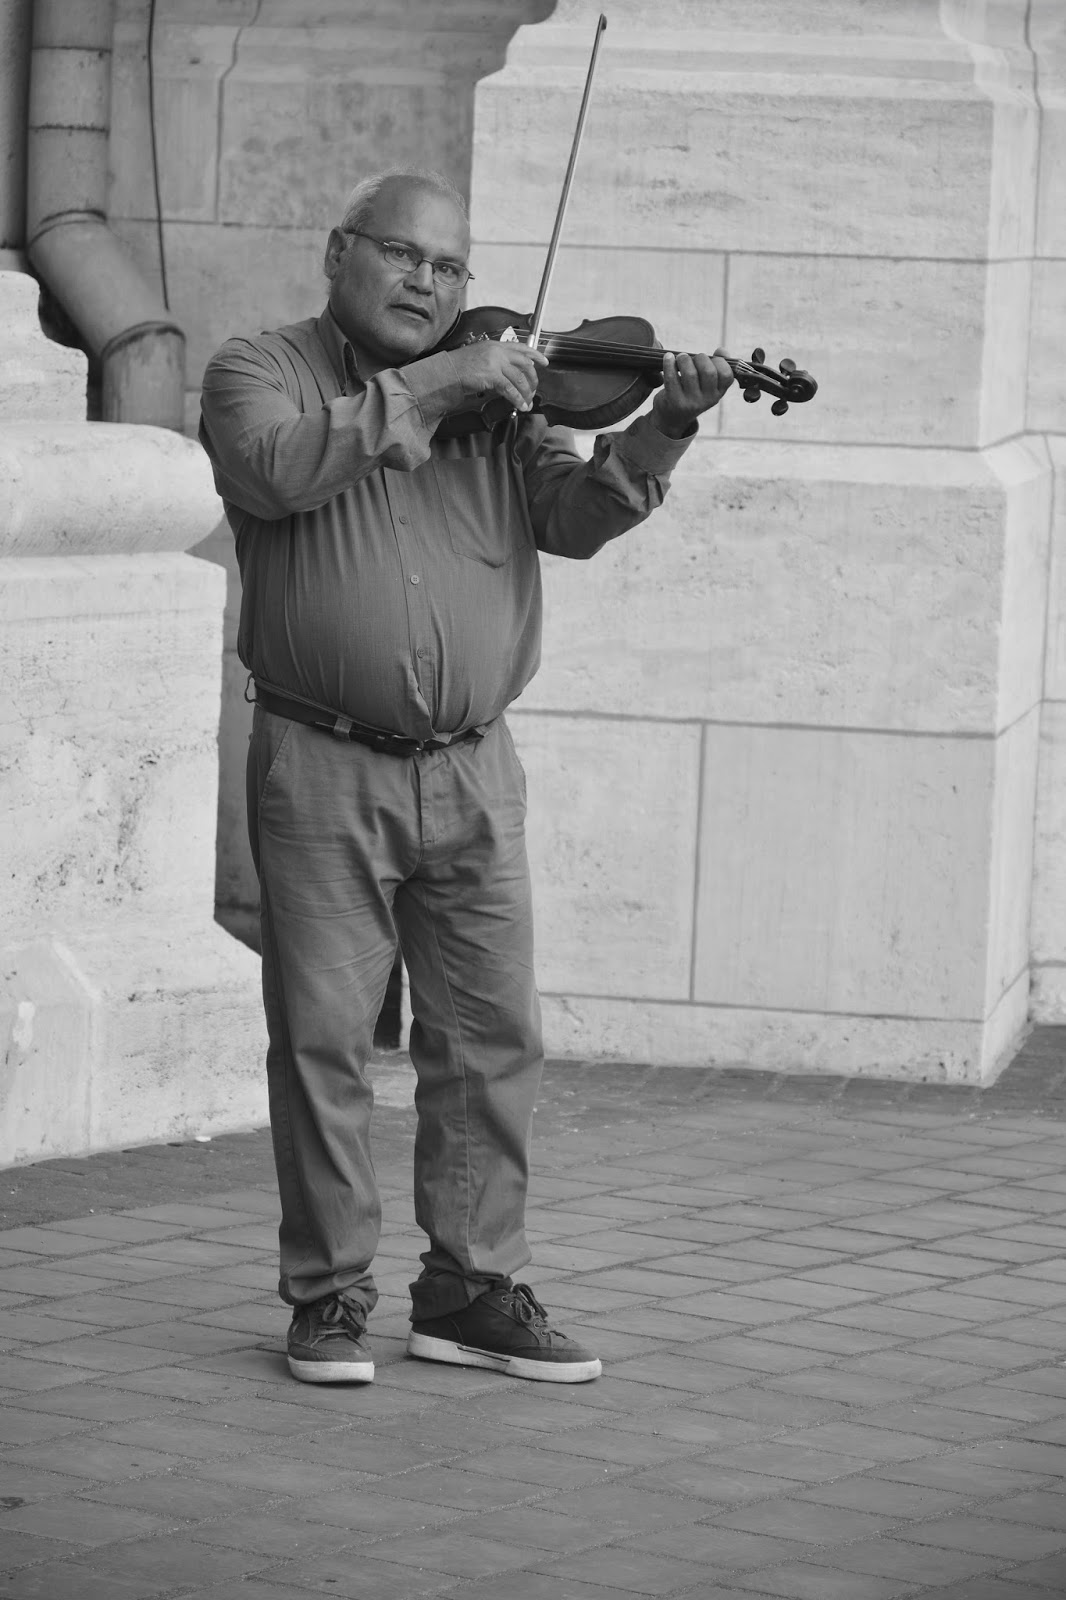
{"type": "Point", "coordinates": [482, 523]}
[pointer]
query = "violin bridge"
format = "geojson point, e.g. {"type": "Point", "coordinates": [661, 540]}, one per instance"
{"type": "Point", "coordinates": [508, 336]}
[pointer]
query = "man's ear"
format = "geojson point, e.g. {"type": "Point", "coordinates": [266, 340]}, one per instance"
{"type": "Point", "coordinates": [336, 245]}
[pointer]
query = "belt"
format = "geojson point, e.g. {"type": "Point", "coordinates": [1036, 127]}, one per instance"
{"type": "Point", "coordinates": [342, 727]}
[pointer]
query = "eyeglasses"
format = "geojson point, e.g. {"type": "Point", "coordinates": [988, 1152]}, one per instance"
{"type": "Point", "coordinates": [448, 273]}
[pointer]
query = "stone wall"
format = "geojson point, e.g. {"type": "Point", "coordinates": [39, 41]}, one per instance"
{"type": "Point", "coordinates": [785, 744]}
{"type": "Point", "coordinates": [1047, 415]}
{"type": "Point", "coordinates": [783, 750]}
{"type": "Point", "coordinates": [126, 1013]}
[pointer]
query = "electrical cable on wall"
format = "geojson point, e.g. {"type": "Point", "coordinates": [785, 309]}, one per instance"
{"type": "Point", "coordinates": [155, 153]}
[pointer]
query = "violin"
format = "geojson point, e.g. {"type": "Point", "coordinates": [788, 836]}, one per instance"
{"type": "Point", "coordinates": [604, 369]}
{"type": "Point", "coordinates": [601, 371]}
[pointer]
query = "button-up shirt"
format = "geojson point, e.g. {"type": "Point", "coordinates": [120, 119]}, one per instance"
{"type": "Point", "coordinates": [388, 574]}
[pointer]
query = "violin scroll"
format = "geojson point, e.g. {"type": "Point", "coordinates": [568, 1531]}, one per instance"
{"type": "Point", "coordinates": [786, 381]}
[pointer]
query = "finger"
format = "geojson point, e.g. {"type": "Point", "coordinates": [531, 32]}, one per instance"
{"type": "Point", "coordinates": [671, 380]}
{"type": "Point", "coordinates": [726, 375]}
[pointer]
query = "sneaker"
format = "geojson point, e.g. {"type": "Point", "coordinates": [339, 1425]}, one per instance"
{"type": "Point", "coordinates": [507, 1330]}
{"type": "Point", "coordinates": [327, 1343]}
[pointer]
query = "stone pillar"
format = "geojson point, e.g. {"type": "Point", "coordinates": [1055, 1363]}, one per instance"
{"type": "Point", "coordinates": [128, 1014]}
{"type": "Point", "coordinates": [1047, 415]}
{"type": "Point", "coordinates": [783, 747]}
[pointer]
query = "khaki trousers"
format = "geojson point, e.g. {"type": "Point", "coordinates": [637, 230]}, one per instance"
{"type": "Point", "coordinates": [355, 849]}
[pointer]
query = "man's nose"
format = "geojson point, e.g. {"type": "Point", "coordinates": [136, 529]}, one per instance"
{"type": "Point", "coordinates": [421, 277]}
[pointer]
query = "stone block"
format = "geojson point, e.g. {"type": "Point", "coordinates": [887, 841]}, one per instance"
{"type": "Point", "coordinates": [1047, 344]}
{"type": "Point", "coordinates": [126, 1032]}
{"type": "Point", "coordinates": [1049, 877]}
{"type": "Point", "coordinates": [40, 381]}
{"type": "Point", "coordinates": [844, 872]}
{"type": "Point", "coordinates": [612, 845]}
{"type": "Point", "coordinates": [905, 352]}
{"type": "Point", "coordinates": [45, 1070]}
{"type": "Point", "coordinates": [295, 166]}
{"type": "Point", "coordinates": [707, 139]}
{"type": "Point", "coordinates": [189, 60]}
{"type": "Point", "coordinates": [584, 1027]}
{"type": "Point", "coordinates": [1024, 473]}
{"type": "Point", "coordinates": [226, 281]}
{"type": "Point", "coordinates": [69, 488]}
{"type": "Point", "coordinates": [787, 583]}
{"type": "Point", "coordinates": [110, 742]}
{"type": "Point", "coordinates": [1010, 873]}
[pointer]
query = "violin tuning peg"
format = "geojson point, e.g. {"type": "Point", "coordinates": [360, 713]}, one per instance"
{"type": "Point", "coordinates": [787, 365]}
{"type": "Point", "coordinates": [758, 356]}
{"type": "Point", "coordinates": [779, 408]}
{"type": "Point", "coordinates": [752, 393]}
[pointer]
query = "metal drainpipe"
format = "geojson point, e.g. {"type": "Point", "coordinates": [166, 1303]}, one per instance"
{"type": "Point", "coordinates": [121, 317]}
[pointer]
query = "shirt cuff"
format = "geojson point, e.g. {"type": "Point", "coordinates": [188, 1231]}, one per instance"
{"type": "Point", "coordinates": [648, 449]}
{"type": "Point", "coordinates": [435, 386]}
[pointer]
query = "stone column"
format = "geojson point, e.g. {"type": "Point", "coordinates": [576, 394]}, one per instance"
{"type": "Point", "coordinates": [1047, 415]}
{"type": "Point", "coordinates": [128, 1014]}
{"type": "Point", "coordinates": [783, 747]}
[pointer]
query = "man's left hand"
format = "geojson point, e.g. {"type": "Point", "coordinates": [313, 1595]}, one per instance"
{"type": "Point", "coordinates": [691, 386]}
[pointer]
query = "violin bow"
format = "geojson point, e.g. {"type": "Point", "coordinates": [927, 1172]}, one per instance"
{"type": "Point", "coordinates": [533, 336]}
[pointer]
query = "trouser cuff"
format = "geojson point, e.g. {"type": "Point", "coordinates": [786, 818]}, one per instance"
{"type": "Point", "coordinates": [437, 1294]}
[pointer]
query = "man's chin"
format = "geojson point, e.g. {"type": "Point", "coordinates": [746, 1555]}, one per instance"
{"type": "Point", "coordinates": [413, 337]}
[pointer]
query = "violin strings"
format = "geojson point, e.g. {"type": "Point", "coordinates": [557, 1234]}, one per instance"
{"type": "Point", "coordinates": [639, 355]}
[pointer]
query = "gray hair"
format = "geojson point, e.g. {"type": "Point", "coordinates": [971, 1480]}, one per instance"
{"type": "Point", "coordinates": [360, 202]}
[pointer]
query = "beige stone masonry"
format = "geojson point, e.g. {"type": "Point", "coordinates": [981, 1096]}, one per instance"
{"type": "Point", "coordinates": [126, 1013]}
{"type": "Point", "coordinates": [844, 607]}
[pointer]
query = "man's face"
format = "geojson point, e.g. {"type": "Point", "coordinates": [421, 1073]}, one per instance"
{"type": "Point", "coordinates": [392, 315]}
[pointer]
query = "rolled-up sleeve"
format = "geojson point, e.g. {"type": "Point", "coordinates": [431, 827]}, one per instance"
{"type": "Point", "coordinates": [272, 459]}
{"type": "Point", "coordinates": [577, 506]}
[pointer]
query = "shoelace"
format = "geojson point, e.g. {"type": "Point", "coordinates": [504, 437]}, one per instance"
{"type": "Point", "coordinates": [340, 1313]}
{"type": "Point", "coordinates": [526, 1308]}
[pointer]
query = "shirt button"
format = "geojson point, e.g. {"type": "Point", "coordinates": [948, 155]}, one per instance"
{"type": "Point", "coordinates": [415, 578]}
{"type": "Point", "coordinates": [402, 519]}
{"type": "Point", "coordinates": [421, 654]}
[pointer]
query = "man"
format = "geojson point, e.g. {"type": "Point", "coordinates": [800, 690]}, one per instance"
{"type": "Point", "coordinates": [391, 612]}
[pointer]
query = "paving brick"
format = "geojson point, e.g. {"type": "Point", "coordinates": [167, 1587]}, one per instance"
{"type": "Point", "coordinates": [272, 1533]}
{"type": "Point", "coordinates": [991, 1536]}
{"type": "Point", "coordinates": [181, 1558]}
{"type": "Point", "coordinates": [533, 1527]}
{"type": "Point", "coordinates": [709, 1479]}
{"type": "Point", "coordinates": [958, 1471]}
{"type": "Point", "coordinates": [799, 1581]}
{"type": "Point", "coordinates": [989, 1589]}
{"type": "Point", "coordinates": [620, 1509]}
{"type": "Point", "coordinates": [114, 1228]}
{"type": "Point", "coordinates": [179, 1495]}
{"type": "Point", "coordinates": [896, 1558]}
{"type": "Point", "coordinates": [718, 1550]}
{"type": "Point", "coordinates": [450, 1550]}
{"type": "Point", "coordinates": [856, 1439]}
{"type": "Point", "coordinates": [813, 1525]}
{"type": "Point", "coordinates": [830, 1336]}
{"type": "Point", "coordinates": [97, 1352]}
{"type": "Point", "coordinates": [632, 1570]}
{"type": "Point", "coordinates": [892, 1501]}
{"type": "Point", "coordinates": [70, 1580]}
{"type": "Point", "coordinates": [81, 1522]}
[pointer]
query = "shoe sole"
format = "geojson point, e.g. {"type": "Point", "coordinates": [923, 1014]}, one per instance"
{"type": "Point", "coordinates": [332, 1371]}
{"type": "Point", "coordinates": [427, 1348]}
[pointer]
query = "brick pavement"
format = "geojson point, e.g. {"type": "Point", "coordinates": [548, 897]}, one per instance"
{"type": "Point", "coordinates": [832, 1316]}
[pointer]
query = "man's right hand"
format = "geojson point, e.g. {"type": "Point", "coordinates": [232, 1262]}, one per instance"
{"type": "Point", "coordinates": [487, 367]}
